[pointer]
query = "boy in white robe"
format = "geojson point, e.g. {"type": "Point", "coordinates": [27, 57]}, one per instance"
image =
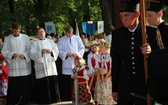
{"type": "Point", "coordinates": [68, 46]}
{"type": "Point", "coordinates": [44, 53]}
{"type": "Point", "coordinates": [16, 50]}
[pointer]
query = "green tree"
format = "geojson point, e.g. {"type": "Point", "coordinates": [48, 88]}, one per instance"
{"type": "Point", "coordinates": [106, 16]}
{"type": "Point", "coordinates": [165, 13]}
{"type": "Point", "coordinates": [4, 17]}
{"type": "Point", "coordinates": [33, 13]}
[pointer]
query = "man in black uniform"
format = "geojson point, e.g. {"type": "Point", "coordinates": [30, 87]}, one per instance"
{"type": "Point", "coordinates": [154, 16]}
{"type": "Point", "coordinates": [128, 79]}
{"type": "Point", "coordinates": [158, 81]}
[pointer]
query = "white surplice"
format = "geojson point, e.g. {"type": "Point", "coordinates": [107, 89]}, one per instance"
{"type": "Point", "coordinates": [19, 45]}
{"type": "Point", "coordinates": [44, 62]}
{"type": "Point", "coordinates": [69, 45]}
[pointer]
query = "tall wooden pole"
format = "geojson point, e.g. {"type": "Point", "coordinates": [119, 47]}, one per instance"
{"type": "Point", "coordinates": [144, 40]}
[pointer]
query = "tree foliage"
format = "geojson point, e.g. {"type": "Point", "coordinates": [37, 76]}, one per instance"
{"type": "Point", "coordinates": [32, 14]}
{"type": "Point", "coordinates": [165, 13]}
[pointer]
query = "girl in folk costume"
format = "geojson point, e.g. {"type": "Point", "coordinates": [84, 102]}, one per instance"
{"type": "Point", "coordinates": [83, 95]}
{"type": "Point", "coordinates": [3, 77]}
{"type": "Point", "coordinates": [103, 88]}
{"type": "Point", "coordinates": [91, 62]}
{"type": "Point", "coordinates": [3, 72]}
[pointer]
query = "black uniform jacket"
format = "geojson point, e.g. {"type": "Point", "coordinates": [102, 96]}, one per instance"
{"type": "Point", "coordinates": [127, 62]}
{"type": "Point", "coordinates": [158, 69]}
{"type": "Point", "coordinates": [163, 28]}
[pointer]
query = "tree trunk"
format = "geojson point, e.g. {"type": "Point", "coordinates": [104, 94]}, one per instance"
{"type": "Point", "coordinates": [72, 20]}
{"type": "Point", "coordinates": [117, 20]}
{"type": "Point", "coordinates": [41, 6]}
{"type": "Point", "coordinates": [12, 10]}
{"type": "Point", "coordinates": [105, 14]}
{"type": "Point", "coordinates": [0, 28]}
{"type": "Point", "coordinates": [86, 14]}
{"type": "Point", "coordinates": [110, 5]}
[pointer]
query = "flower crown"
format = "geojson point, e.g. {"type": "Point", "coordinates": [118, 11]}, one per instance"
{"type": "Point", "coordinates": [105, 43]}
{"type": "Point", "coordinates": [94, 42]}
{"type": "Point", "coordinates": [80, 59]}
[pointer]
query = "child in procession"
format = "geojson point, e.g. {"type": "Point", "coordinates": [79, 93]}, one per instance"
{"type": "Point", "coordinates": [103, 88]}
{"type": "Point", "coordinates": [91, 62]}
{"type": "Point", "coordinates": [80, 73]}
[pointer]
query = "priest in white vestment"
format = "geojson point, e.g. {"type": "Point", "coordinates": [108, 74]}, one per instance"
{"type": "Point", "coordinates": [44, 53]}
{"type": "Point", "coordinates": [16, 50]}
{"type": "Point", "coordinates": [68, 46]}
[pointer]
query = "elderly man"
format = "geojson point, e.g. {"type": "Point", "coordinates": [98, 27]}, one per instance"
{"type": "Point", "coordinates": [128, 79]}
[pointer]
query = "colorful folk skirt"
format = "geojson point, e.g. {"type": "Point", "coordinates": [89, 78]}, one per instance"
{"type": "Point", "coordinates": [84, 93]}
{"type": "Point", "coordinates": [103, 92]}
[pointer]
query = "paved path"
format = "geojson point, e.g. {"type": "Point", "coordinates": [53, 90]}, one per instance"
{"type": "Point", "coordinates": [64, 103]}
{"type": "Point", "coordinates": [2, 102]}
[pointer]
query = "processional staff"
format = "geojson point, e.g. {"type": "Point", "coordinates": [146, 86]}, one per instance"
{"type": "Point", "coordinates": [144, 40]}
{"type": "Point", "coordinates": [76, 85]}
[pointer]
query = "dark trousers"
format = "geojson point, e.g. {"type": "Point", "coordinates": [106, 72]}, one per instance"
{"type": "Point", "coordinates": [66, 88]}
{"type": "Point", "coordinates": [47, 90]}
{"type": "Point", "coordinates": [20, 90]}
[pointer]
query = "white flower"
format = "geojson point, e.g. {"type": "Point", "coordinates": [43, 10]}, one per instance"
{"type": "Point", "coordinates": [82, 61]}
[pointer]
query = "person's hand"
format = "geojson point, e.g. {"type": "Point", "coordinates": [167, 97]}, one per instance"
{"type": "Point", "coordinates": [48, 50]}
{"type": "Point", "coordinates": [115, 96]}
{"type": "Point", "coordinates": [73, 77]}
{"type": "Point", "coordinates": [95, 72]}
{"type": "Point", "coordinates": [100, 81]}
{"type": "Point", "coordinates": [105, 79]}
{"type": "Point", "coordinates": [69, 54]}
{"type": "Point", "coordinates": [146, 49]}
{"type": "Point", "coordinates": [74, 54]}
{"type": "Point", "coordinates": [44, 50]}
{"type": "Point", "coordinates": [21, 56]}
{"type": "Point", "coordinates": [15, 55]}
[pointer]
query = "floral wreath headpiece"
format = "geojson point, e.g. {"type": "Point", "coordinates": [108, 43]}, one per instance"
{"type": "Point", "coordinates": [105, 43]}
{"type": "Point", "coordinates": [80, 59]}
{"type": "Point", "coordinates": [92, 43]}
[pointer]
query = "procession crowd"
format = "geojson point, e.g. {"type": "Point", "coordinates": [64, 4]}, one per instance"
{"type": "Point", "coordinates": [99, 69]}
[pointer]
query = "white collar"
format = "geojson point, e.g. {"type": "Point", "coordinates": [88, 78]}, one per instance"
{"type": "Point", "coordinates": [133, 29]}
{"type": "Point", "coordinates": [68, 37]}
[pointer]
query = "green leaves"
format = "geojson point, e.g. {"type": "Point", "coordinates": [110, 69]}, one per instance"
{"type": "Point", "coordinates": [33, 13]}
